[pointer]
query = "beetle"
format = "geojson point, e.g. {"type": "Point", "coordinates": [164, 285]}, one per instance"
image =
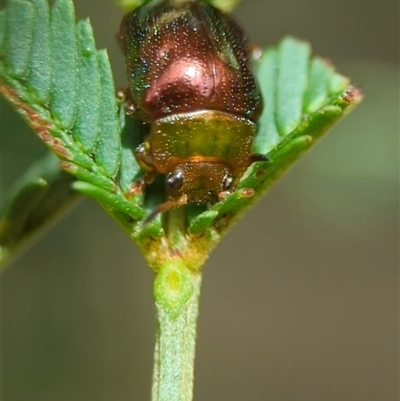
{"type": "Point", "coordinates": [190, 80]}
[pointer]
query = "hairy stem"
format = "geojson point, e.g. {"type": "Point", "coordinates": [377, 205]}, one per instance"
{"type": "Point", "coordinates": [177, 292]}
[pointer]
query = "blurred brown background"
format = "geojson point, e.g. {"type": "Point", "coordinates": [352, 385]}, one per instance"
{"type": "Point", "coordinates": [300, 301]}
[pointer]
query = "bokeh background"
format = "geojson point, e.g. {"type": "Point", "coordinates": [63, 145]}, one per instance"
{"type": "Point", "coordinates": [300, 301]}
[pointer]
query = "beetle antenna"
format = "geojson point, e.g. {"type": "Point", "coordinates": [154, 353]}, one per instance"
{"type": "Point", "coordinates": [164, 207]}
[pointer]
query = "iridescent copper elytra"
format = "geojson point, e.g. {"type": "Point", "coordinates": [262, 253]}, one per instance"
{"type": "Point", "coordinates": [189, 68]}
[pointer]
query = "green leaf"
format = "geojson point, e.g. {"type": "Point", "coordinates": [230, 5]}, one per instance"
{"type": "Point", "coordinates": [64, 63]}
{"type": "Point", "coordinates": [318, 88]}
{"type": "Point", "coordinates": [293, 59]}
{"type": "Point", "coordinates": [81, 84]}
{"type": "Point", "coordinates": [203, 222]}
{"type": "Point", "coordinates": [130, 170]}
{"type": "Point", "coordinates": [114, 203]}
{"type": "Point", "coordinates": [39, 79]}
{"type": "Point", "coordinates": [68, 98]}
{"type": "Point", "coordinates": [108, 152]}
{"type": "Point", "coordinates": [2, 30]}
{"type": "Point", "coordinates": [19, 36]}
{"type": "Point", "coordinates": [268, 134]}
{"type": "Point", "coordinates": [337, 83]}
{"type": "Point", "coordinates": [86, 128]}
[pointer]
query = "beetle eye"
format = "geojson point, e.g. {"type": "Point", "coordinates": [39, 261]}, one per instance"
{"type": "Point", "coordinates": [227, 183]}
{"type": "Point", "coordinates": [175, 180]}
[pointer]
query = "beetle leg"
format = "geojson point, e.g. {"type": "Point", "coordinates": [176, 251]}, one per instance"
{"type": "Point", "coordinates": [257, 157]}
{"type": "Point", "coordinates": [138, 186]}
{"type": "Point", "coordinates": [131, 108]}
{"type": "Point", "coordinates": [124, 98]}
{"type": "Point", "coordinates": [143, 157]}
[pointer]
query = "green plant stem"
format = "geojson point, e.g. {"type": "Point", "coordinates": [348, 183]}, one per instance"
{"type": "Point", "coordinates": [35, 202]}
{"type": "Point", "coordinates": [175, 346]}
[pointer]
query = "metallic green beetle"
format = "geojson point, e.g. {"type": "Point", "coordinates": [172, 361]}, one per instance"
{"type": "Point", "coordinates": [189, 67]}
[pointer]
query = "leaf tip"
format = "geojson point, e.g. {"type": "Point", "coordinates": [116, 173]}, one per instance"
{"type": "Point", "coordinates": [353, 95]}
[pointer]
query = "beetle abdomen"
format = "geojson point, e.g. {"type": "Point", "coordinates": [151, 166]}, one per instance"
{"type": "Point", "coordinates": [187, 57]}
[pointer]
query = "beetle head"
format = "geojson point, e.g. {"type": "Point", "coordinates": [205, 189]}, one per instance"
{"type": "Point", "coordinates": [200, 181]}
{"type": "Point", "coordinates": [197, 182]}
